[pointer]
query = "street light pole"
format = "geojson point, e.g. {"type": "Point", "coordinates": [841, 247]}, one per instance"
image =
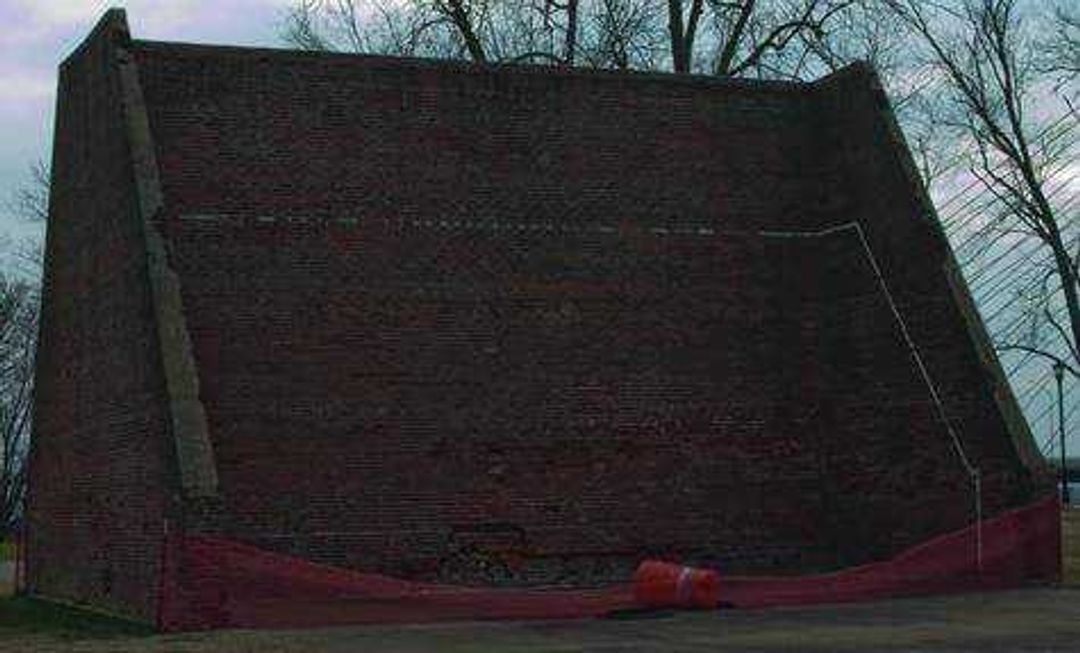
{"type": "Point", "coordinates": [1059, 373]}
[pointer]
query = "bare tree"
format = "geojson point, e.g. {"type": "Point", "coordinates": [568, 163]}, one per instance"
{"type": "Point", "coordinates": [1063, 46]}
{"type": "Point", "coordinates": [374, 26]}
{"type": "Point", "coordinates": [468, 18]}
{"type": "Point", "coordinates": [764, 37]}
{"type": "Point", "coordinates": [571, 29]}
{"type": "Point", "coordinates": [782, 38]}
{"type": "Point", "coordinates": [477, 30]}
{"type": "Point", "coordinates": [985, 62]}
{"type": "Point", "coordinates": [31, 200]}
{"type": "Point", "coordinates": [18, 334]}
{"type": "Point", "coordinates": [19, 304]}
{"type": "Point", "coordinates": [683, 31]}
{"type": "Point", "coordinates": [624, 35]}
{"type": "Point", "coordinates": [28, 204]}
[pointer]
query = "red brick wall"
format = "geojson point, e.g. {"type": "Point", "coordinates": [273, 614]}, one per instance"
{"type": "Point", "coordinates": [869, 179]}
{"type": "Point", "coordinates": [97, 494]}
{"type": "Point", "coordinates": [436, 320]}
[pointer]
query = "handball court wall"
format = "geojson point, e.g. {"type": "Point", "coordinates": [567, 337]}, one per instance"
{"type": "Point", "coordinates": [492, 326]}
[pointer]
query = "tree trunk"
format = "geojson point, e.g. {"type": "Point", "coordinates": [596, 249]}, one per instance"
{"type": "Point", "coordinates": [459, 16]}
{"type": "Point", "coordinates": [1068, 283]}
{"type": "Point", "coordinates": [571, 32]}
{"type": "Point", "coordinates": [679, 62]}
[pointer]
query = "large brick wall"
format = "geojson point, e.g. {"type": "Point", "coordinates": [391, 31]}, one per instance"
{"type": "Point", "coordinates": [97, 469]}
{"type": "Point", "coordinates": [440, 309]}
{"type": "Point", "coordinates": [491, 325]}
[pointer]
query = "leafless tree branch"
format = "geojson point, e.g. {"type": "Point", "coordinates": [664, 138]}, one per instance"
{"type": "Point", "coordinates": [1042, 354]}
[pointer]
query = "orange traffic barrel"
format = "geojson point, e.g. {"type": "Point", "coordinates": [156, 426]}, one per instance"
{"type": "Point", "coordinates": [665, 585]}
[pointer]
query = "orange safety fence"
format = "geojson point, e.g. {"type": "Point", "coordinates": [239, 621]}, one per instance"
{"type": "Point", "coordinates": [211, 582]}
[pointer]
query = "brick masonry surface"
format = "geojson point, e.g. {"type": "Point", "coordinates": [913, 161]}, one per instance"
{"type": "Point", "coordinates": [499, 325]}
{"type": "Point", "coordinates": [98, 468]}
{"type": "Point", "coordinates": [442, 310]}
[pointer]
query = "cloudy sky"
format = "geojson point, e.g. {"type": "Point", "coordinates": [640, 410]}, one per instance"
{"type": "Point", "coordinates": [38, 34]}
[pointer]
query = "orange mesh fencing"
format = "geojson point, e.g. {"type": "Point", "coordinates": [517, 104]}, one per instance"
{"type": "Point", "coordinates": [212, 582]}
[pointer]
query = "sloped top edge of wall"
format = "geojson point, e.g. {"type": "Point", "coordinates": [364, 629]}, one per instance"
{"type": "Point", "coordinates": [371, 61]}
{"type": "Point", "coordinates": [862, 77]}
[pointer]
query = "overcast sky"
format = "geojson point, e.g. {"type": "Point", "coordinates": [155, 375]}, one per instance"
{"type": "Point", "coordinates": [38, 34]}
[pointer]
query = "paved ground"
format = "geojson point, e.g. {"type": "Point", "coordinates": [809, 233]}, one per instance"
{"type": "Point", "coordinates": [1024, 620]}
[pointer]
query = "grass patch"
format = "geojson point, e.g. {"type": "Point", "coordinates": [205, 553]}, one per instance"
{"type": "Point", "coordinates": [7, 549]}
{"type": "Point", "coordinates": [23, 615]}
